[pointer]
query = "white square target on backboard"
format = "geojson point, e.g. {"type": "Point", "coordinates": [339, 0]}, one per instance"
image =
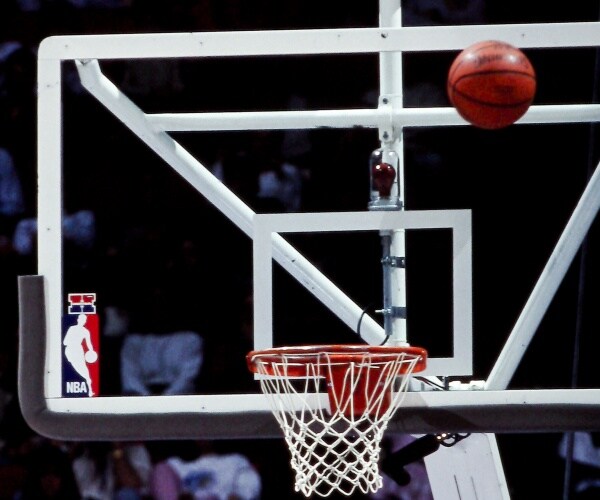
{"type": "Point", "coordinates": [267, 241]}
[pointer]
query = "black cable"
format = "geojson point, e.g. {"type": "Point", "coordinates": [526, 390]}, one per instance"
{"type": "Point", "coordinates": [387, 337]}
{"type": "Point", "coordinates": [449, 440]}
{"type": "Point", "coordinates": [364, 311]}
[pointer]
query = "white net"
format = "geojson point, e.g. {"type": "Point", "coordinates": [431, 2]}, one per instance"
{"type": "Point", "coordinates": [335, 442]}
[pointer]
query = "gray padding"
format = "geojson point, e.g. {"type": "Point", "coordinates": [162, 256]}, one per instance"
{"type": "Point", "coordinates": [413, 417]}
{"type": "Point", "coordinates": [497, 419]}
{"type": "Point", "coordinates": [143, 426]}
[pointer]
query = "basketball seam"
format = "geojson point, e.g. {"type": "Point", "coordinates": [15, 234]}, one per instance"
{"type": "Point", "coordinates": [495, 72]}
{"type": "Point", "coordinates": [491, 104]}
{"type": "Point", "coordinates": [491, 44]}
{"type": "Point", "coordinates": [479, 49]}
{"type": "Point", "coordinates": [455, 91]}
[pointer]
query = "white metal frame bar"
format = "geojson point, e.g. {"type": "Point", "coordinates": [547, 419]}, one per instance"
{"type": "Point", "coordinates": [322, 41]}
{"type": "Point", "coordinates": [347, 118]}
{"type": "Point", "coordinates": [215, 403]}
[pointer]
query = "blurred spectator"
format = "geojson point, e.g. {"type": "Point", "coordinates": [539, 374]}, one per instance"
{"type": "Point", "coordinates": [12, 200]}
{"type": "Point", "coordinates": [112, 471]}
{"type": "Point", "coordinates": [234, 168]}
{"type": "Point", "coordinates": [160, 364]}
{"type": "Point", "coordinates": [278, 179]}
{"type": "Point", "coordinates": [12, 203]}
{"type": "Point", "coordinates": [100, 4]}
{"type": "Point", "coordinates": [29, 5]}
{"type": "Point", "coordinates": [25, 237]}
{"type": "Point", "coordinates": [36, 5]}
{"type": "Point", "coordinates": [198, 471]}
{"type": "Point", "coordinates": [281, 182]}
{"type": "Point", "coordinates": [78, 228]}
{"type": "Point", "coordinates": [435, 12]}
{"type": "Point", "coordinates": [49, 474]}
{"type": "Point", "coordinates": [8, 49]}
{"type": "Point", "coordinates": [162, 352]}
{"type": "Point", "coordinates": [585, 478]}
{"type": "Point", "coordinates": [17, 80]}
{"type": "Point", "coordinates": [257, 172]}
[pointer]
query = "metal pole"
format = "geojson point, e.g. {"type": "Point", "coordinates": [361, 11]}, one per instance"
{"type": "Point", "coordinates": [391, 88]}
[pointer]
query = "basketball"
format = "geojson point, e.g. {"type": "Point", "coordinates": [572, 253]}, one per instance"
{"type": "Point", "coordinates": [491, 84]}
{"type": "Point", "coordinates": [91, 356]}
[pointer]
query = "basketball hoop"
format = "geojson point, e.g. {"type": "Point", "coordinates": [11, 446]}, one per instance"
{"type": "Point", "coordinates": [335, 441]}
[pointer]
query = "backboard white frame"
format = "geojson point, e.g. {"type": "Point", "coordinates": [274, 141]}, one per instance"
{"type": "Point", "coordinates": [87, 51]}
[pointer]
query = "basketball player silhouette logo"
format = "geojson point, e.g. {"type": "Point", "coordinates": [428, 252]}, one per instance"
{"type": "Point", "coordinates": [74, 339]}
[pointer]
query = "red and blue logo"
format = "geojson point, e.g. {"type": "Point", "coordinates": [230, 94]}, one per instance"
{"type": "Point", "coordinates": [81, 347]}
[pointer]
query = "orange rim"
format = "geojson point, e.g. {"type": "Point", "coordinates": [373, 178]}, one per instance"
{"type": "Point", "coordinates": [297, 358]}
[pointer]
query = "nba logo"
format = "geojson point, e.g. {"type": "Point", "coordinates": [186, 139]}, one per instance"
{"type": "Point", "coordinates": [81, 347]}
{"type": "Point", "coordinates": [82, 303]}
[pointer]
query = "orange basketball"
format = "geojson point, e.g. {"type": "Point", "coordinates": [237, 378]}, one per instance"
{"type": "Point", "coordinates": [491, 84]}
